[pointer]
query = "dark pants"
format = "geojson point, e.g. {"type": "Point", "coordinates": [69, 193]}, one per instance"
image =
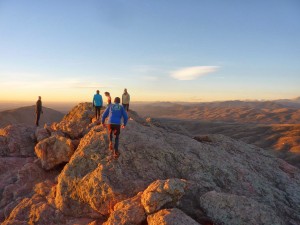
{"type": "Point", "coordinates": [126, 107]}
{"type": "Point", "coordinates": [37, 118]}
{"type": "Point", "coordinates": [97, 111]}
{"type": "Point", "coordinates": [114, 129]}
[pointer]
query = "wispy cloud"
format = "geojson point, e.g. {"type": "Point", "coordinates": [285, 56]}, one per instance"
{"type": "Point", "coordinates": [191, 73]}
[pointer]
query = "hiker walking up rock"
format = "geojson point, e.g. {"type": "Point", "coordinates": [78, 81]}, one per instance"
{"type": "Point", "coordinates": [97, 103]}
{"type": "Point", "coordinates": [115, 112]}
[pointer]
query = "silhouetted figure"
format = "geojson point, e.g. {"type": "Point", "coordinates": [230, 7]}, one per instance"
{"type": "Point", "coordinates": [115, 112]}
{"type": "Point", "coordinates": [125, 100]}
{"type": "Point", "coordinates": [107, 94]}
{"type": "Point", "coordinates": [38, 110]}
{"type": "Point", "coordinates": [97, 103]}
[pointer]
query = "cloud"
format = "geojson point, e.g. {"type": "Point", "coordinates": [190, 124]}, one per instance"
{"type": "Point", "coordinates": [191, 73]}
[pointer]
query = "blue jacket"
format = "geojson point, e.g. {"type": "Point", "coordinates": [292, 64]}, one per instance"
{"type": "Point", "coordinates": [97, 100]}
{"type": "Point", "coordinates": [115, 112]}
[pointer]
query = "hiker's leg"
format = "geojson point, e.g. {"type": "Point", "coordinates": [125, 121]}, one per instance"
{"type": "Point", "coordinates": [117, 133]}
{"type": "Point", "coordinates": [110, 130]}
{"type": "Point", "coordinates": [99, 112]}
{"type": "Point", "coordinates": [117, 143]}
{"type": "Point", "coordinates": [37, 119]}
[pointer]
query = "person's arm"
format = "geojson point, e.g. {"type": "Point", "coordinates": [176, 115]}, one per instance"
{"type": "Point", "coordinates": [93, 101]}
{"type": "Point", "coordinates": [128, 98]}
{"type": "Point", "coordinates": [105, 114]}
{"type": "Point", "coordinates": [41, 108]}
{"type": "Point", "coordinates": [101, 101]}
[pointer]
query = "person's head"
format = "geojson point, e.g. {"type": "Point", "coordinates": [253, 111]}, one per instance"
{"type": "Point", "coordinates": [125, 90]}
{"type": "Point", "coordinates": [106, 93]}
{"type": "Point", "coordinates": [117, 100]}
{"type": "Point", "coordinates": [98, 91]}
{"type": "Point", "coordinates": [40, 98]}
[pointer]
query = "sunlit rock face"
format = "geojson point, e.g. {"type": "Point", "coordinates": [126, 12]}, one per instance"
{"type": "Point", "coordinates": [159, 177]}
{"type": "Point", "coordinates": [170, 217]}
{"type": "Point", "coordinates": [54, 150]}
{"type": "Point", "coordinates": [76, 123]}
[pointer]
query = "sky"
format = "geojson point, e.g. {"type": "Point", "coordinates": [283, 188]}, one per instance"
{"type": "Point", "coordinates": [160, 50]}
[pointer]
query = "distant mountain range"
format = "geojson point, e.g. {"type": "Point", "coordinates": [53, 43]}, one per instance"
{"type": "Point", "coordinates": [263, 112]}
{"type": "Point", "coordinates": [26, 115]}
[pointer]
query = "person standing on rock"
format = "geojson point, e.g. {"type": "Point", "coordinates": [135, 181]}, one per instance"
{"type": "Point", "coordinates": [107, 94]}
{"type": "Point", "coordinates": [125, 100]}
{"type": "Point", "coordinates": [115, 112]}
{"type": "Point", "coordinates": [38, 110]}
{"type": "Point", "coordinates": [97, 103]}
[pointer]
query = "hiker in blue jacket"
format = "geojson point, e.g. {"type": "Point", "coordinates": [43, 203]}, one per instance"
{"type": "Point", "coordinates": [97, 103]}
{"type": "Point", "coordinates": [115, 112]}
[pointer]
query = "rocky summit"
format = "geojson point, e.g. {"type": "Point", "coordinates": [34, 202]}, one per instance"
{"type": "Point", "coordinates": [64, 173]}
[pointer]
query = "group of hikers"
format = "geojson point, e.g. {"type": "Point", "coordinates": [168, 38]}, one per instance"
{"type": "Point", "coordinates": [115, 114]}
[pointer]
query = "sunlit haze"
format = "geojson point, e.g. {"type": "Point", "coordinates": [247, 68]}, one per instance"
{"type": "Point", "coordinates": [159, 50]}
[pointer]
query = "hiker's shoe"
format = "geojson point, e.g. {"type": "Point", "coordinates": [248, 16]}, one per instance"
{"type": "Point", "coordinates": [116, 155]}
{"type": "Point", "coordinates": [111, 146]}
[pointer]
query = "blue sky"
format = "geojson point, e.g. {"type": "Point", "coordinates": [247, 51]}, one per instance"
{"type": "Point", "coordinates": [175, 50]}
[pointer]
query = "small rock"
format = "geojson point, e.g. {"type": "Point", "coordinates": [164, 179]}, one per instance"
{"type": "Point", "coordinates": [161, 192]}
{"type": "Point", "coordinates": [170, 217]}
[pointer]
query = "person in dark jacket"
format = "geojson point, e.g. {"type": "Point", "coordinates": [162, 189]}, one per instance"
{"type": "Point", "coordinates": [38, 110]}
{"type": "Point", "coordinates": [115, 112]}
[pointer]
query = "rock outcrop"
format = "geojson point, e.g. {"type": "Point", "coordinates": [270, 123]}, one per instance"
{"type": "Point", "coordinates": [76, 123]}
{"type": "Point", "coordinates": [54, 150]}
{"type": "Point", "coordinates": [161, 192]}
{"type": "Point", "coordinates": [161, 177]}
{"type": "Point", "coordinates": [170, 217]}
{"type": "Point", "coordinates": [17, 140]}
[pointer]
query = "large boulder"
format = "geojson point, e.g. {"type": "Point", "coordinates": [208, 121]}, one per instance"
{"type": "Point", "coordinates": [54, 150]}
{"type": "Point", "coordinates": [76, 123]}
{"type": "Point", "coordinates": [129, 211]}
{"type": "Point", "coordinates": [17, 140]}
{"type": "Point", "coordinates": [161, 192]}
{"type": "Point", "coordinates": [235, 210]}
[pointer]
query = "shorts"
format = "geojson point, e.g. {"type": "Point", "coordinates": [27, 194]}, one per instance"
{"type": "Point", "coordinates": [115, 128]}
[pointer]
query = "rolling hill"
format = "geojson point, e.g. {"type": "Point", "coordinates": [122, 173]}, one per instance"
{"type": "Point", "coordinates": [26, 115]}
